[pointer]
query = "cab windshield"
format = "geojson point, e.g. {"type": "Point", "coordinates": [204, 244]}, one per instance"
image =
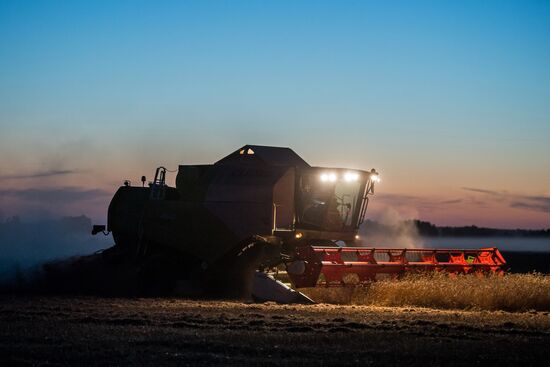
{"type": "Point", "coordinates": [329, 202]}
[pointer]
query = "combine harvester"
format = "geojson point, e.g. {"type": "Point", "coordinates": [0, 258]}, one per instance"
{"type": "Point", "coordinates": [233, 227]}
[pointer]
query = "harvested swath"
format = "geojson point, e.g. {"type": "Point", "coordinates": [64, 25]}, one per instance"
{"type": "Point", "coordinates": [512, 292]}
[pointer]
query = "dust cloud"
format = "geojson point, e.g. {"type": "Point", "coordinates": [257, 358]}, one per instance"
{"type": "Point", "coordinates": [27, 245]}
{"type": "Point", "coordinates": [391, 229]}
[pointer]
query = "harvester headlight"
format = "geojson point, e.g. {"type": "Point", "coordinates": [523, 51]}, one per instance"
{"type": "Point", "coordinates": [375, 177]}
{"type": "Point", "coordinates": [357, 237]}
{"type": "Point", "coordinates": [351, 176]}
{"type": "Point", "coordinates": [298, 235]}
{"type": "Point", "coordinates": [328, 177]}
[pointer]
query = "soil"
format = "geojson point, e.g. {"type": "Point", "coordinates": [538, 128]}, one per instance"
{"type": "Point", "coordinates": [37, 330]}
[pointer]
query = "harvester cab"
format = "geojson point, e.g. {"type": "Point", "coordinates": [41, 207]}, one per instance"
{"type": "Point", "coordinates": [228, 227]}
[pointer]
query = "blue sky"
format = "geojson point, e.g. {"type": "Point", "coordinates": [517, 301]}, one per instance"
{"type": "Point", "coordinates": [436, 95]}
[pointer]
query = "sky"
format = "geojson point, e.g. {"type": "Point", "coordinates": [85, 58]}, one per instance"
{"type": "Point", "coordinates": [449, 101]}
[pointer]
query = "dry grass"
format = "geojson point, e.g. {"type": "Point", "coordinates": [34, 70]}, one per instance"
{"type": "Point", "coordinates": [513, 292]}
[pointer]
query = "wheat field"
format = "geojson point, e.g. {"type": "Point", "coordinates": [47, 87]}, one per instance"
{"type": "Point", "coordinates": [512, 292]}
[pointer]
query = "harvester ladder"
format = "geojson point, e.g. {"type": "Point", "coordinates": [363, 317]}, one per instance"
{"type": "Point", "coordinates": [158, 184]}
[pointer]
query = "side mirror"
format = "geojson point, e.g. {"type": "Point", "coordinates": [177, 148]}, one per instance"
{"type": "Point", "coordinates": [98, 228]}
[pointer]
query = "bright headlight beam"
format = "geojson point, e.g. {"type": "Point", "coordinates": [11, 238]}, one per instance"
{"type": "Point", "coordinates": [351, 176]}
{"type": "Point", "coordinates": [375, 178]}
{"type": "Point", "coordinates": [328, 177]}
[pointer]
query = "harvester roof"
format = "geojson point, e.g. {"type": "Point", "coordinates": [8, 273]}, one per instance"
{"type": "Point", "coordinates": [274, 156]}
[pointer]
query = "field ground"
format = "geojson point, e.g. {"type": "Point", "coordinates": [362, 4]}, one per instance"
{"type": "Point", "coordinates": [115, 331]}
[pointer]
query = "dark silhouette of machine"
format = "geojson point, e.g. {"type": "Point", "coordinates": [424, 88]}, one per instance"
{"type": "Point", "coordinates": [226, 228]}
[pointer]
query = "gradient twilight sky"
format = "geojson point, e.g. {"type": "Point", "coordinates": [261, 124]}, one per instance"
{"type": "Point", "coordinates": [450, 101]}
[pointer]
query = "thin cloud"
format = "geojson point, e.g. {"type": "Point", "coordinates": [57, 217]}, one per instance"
{"type": "Point", "coordinates": [537, 203]}
{"type": "Point", "coordinates": [483, 191]}
{"type": "Point", "coordinates": [529, 202]}
{"type": "Point", "coordinates": [454, 201]}
{"type": "Point", "coordinates": [54, 195]}
{"type": "Point", "coordinates": [40, 174]}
